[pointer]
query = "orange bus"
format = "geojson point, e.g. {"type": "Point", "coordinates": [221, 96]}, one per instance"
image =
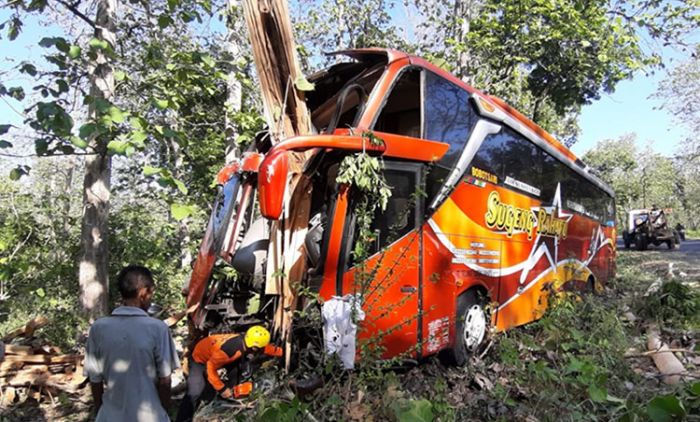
{"type": "Point", "coordinates": [507, 214]}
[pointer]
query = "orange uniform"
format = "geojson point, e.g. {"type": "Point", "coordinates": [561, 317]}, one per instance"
{"type": "Point", "coordinates": [218, 350]}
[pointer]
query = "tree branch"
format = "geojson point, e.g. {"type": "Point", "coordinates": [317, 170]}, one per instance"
{"type": "Point", "coordinates": [78, 13]}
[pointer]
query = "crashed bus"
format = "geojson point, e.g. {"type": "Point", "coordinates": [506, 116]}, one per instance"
{"type": "Point", "coordinates": [505, 217]}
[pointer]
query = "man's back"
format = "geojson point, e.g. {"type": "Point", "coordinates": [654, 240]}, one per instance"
{"type": "Point", "coordinates": [129, 351]}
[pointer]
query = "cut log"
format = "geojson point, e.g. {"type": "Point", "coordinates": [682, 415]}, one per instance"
{"type": "Point", "coordinates": [668, 364]}
{"type": "Point", "coordinates": [10, 366]}
{"type": "Point", "coordinates": [8, 396]}
{"type": "Point", "coordinates": [43, 358]}
{"type": "Point", "coordinates": [15, 349]}
{"type": "Point", "coordinates": [28, 329]}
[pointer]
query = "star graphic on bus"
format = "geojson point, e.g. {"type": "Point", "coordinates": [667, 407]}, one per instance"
{"type": "Point", "coordinates": [545, 244]}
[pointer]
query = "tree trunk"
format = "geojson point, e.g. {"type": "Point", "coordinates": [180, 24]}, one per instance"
{"type": "Point", "coordinates": [465, 10]}
{"type": "Point", "coordinates": [274, 51]}
{"type": "Point", "coordinates": [94, 237]}
{"type": "Point", "coordinates": [234, 100]}
{"type": "Point", "coordinates": [276, 62]}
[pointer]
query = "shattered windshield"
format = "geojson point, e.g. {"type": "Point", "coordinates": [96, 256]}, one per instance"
{"type": "Point", "coordinates": [223, 210]}
{"type": "Point", "coordinates": [329, 84]}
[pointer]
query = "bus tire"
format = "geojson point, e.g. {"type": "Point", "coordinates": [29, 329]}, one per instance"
{"type": "Point", "coordinates": [471, 328]}
{"type": "Point", "coordinates": [590, 286]}
{"type": "Point", "coordinates": [670, 243]}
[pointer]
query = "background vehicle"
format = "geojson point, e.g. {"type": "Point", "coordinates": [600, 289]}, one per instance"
{"type": "Point", "coordinates": [489, 214]}
{"type": "Point", "coordinates": [646, 227]}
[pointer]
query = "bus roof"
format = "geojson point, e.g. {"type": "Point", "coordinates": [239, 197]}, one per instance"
{"type": "Point", "coordinates": [490, 106]}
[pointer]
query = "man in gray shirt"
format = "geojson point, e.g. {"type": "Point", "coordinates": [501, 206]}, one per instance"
{"type": "Point", "coordinates": [130, 356]}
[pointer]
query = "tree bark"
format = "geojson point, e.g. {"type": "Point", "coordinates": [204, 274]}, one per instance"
{"type": "Point", "coordinates": [94, 237]}
{"type": "Point", "coordinates": [234, 100]}
{"type": "Point", "coordinates": [274, 51]}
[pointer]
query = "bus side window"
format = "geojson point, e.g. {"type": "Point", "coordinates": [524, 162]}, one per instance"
{"type": "Point", "coordinates": [401, 112]}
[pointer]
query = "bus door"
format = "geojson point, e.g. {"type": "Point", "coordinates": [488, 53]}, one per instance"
{"type": "Point", "coordinates": [389, 280]}
{"type": "Point", "coordinates": [460, 253]}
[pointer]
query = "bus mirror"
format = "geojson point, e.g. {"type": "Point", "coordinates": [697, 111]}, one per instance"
{"type": "Point", "coordinates": [272, 181]}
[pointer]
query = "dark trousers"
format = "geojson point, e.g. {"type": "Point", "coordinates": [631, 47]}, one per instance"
{"type": "Point", "coordinates": [199, 389]}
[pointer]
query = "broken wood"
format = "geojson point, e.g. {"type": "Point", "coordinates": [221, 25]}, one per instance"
{"type": "Point", "coordinates": [10, 366]}
{"type": "Point", "coordinates": [667, 363]}
{"type": "Point", "coordinates": [15, 349]}
{"type": "Point", "coordinates": [43, 358]}
{"type": "Point", "coordinates": [175, 318]}
{"type": "Point", "coordinates": [654, 352]}
{"type": "Point", "coordinates": [28, 329]}
{"type": "Point", "coordinates": [274, 52]}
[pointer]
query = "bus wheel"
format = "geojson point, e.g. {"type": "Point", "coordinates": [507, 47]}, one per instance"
{"type": "Point", "coordinates": [590, 286]}
{"type": "Point", "coordinates": [471, 328]}
{"type": "Point", "coordinates": [670, 243]}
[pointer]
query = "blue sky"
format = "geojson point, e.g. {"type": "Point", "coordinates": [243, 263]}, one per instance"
{"type": "Point", "coordinates": [629, 109]}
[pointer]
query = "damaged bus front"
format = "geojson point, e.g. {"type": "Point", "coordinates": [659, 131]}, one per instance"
{"type": "Point", "coordinates": [488, 215]}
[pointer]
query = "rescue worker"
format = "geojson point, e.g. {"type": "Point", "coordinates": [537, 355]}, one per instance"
{"type": "Point", "coordinates": [222, 351]}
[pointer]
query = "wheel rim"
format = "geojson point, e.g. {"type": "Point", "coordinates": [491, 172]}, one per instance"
{"type": "Point", "coordinates": [474, 327]}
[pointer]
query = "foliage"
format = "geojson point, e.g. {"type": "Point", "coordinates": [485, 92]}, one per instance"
{"type": "Point", "coordinates": [642, 178]}
{"type": "Point", "coordinates": [673, 304]}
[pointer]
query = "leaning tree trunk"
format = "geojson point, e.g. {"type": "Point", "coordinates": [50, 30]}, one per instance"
{"type": "Point", "coordinates": [93, 267]}
{"type": "Point", "coordinates": [285, 110]}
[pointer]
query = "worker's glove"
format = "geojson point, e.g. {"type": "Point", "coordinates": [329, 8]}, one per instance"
{"type": "Point", "coordinates": [272, 350]}
{"type": "Point", "coordinates": [226, 393]}
{"type": "Point", "coordinates": [242, 390]}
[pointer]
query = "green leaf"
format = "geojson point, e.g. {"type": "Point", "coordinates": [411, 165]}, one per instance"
{"type": "Point", "coordinates": [413, 410]}
{"type": "Point", "coordinates": [62, 85]}
{"type": "Point", "coordinates": [47, 42]}
{"type": "Point", "coordinates": [4, 129]}
{"type": "Point", "coordinates": [116, 114]}
{"type": "Point", "coordinates": [180, 186]}
{"type": "Point", "coordinates": [117, 147]}
{"type": "Point", "coordinates": [28, 68]}
{"type": "Point", "coordinates": [137, 137]}
{"type": "Point", "coordinates": [78, 142]}
{"type": "Point", "coordinates": [40, 292]}
{"type": "Point", "coordinates": [150, 171]}
{"type": "Point", "coordinates": [98, 44]}
{"type": "Point", "coordinates": [5, 144]}
{"type": "Point", "coordinates": [87, 130]}
{"type": "Point", "coordinates": [665, 409]}
{"type": "Point", "coordinates": [138, 123]}
{"type": "Point", "coordinates": [74, 51]}
{"type": "Point", "coordinates": [695, 389]}
{"type": "Point", "coordinates": [119, 75]}
{"type": "Point", "coordinates": [302, 84]}
{"type": "Point", "coordinates": [180, 211]}
{"type": "Point", "coordinates": [598, 394]}
{"type": "Point", "coordinates": [15, 174]}
{"type": "Point", "coordinates": [41, 146]}
{"type": "Point", "coordinates": [161, 104]}
{"type": "Point", "coordinates": [164, 20]}
{"type": "Point", "coordinates": [208, 60]}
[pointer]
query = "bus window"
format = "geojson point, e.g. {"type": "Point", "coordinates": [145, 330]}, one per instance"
{"type": "Point", "coordinates": [489, 156]}
{"type": "Point", "coordinates": [401, 113]}
{"type": "Point", "coordinates": [401, 214]}
{"type": "Point", "coordinates": [522, 163]}
{"type": "Point", "coordinates": [449, 117]}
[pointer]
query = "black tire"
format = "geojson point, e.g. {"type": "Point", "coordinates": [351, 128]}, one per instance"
{"type": "Point", "coordinates": [458, 355]}
{"type": "Point", "coordinates": [640, 242]}
{"type": "Point", "coordinates": [589, 288]}
{"type": "Point", "coordinates": [671, 244]}
{"type": "Point", "coordinates": [628, 241]}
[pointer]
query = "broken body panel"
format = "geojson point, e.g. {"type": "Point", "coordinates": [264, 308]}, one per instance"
{"type": "Point", "coordinates": [507, 211]}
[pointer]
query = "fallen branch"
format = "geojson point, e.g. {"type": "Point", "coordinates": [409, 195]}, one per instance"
{"type": "Point", "coordinates": [653, 352]}
{"type": "Point", "coordinates": [668, 364]}
{"type": "Point", "coordinates": [28, 329]}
